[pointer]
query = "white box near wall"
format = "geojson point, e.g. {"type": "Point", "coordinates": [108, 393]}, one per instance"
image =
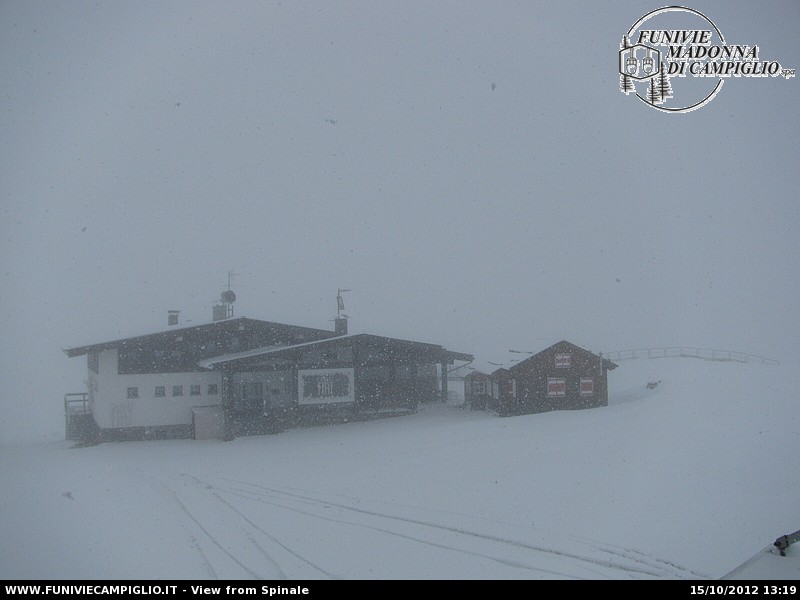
{"type": "Point", "coordinates": [208, 422]}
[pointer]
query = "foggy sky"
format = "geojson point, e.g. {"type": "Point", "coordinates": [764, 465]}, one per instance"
{"type": "Point", "coordinates": [470, 170]}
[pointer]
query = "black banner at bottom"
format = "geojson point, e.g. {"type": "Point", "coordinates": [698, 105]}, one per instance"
{"type": "Point", "coordinates": [285, 589]}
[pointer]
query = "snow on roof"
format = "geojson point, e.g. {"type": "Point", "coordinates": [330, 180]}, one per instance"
{"type": "Point", "coordinates": [210, 362]}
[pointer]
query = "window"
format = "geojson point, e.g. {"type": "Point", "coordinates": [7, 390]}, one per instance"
{"type": "Point", "coordinates": [556, 387]}
{"type": "Point", "coordinates": [213, 390]}
{"type": "Point", "coordinates": [93, 358]}
{"type": "Point", "coordinates": [478, 386]}
{"type": "Point", "coordinates": [194, 390]}
{"type": "Point", "coordinates": [587, 386]}
{"type": "Point", "coordinates": [562, 361]}
{"type": "Point", "coordinates": [177, 390]}
{"type": "Point", "coordinates": [133, 392]}
{"type": "Point", "coordinates": [161, 391]}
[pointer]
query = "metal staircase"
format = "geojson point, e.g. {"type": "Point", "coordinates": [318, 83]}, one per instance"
{"type": "Point", "coordinates": [77, 415]}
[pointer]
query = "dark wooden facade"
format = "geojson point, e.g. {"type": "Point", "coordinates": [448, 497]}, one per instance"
{"type": "Point", "coordinates": [503, 392]}
{"type": "Point", "coordinates": [477, 390]}
{"type": "Point", "coordinates": [561, 377]}
{"type": "Point", "coordinates": [372, 373]}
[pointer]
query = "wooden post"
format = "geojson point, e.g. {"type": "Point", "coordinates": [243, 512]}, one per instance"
{"type": "Point", "coordinates": [228, 402]}
{"type": "Point", "coordinates": [444, 381]}
{"type": "Point", "coordinates": [356, 368]}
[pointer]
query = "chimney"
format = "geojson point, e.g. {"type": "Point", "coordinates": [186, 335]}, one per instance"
{"type": "Point", "coordinates": [172, 317]}
{"type": "Point", "coordinates": [219, 312]}
{"type": "Point", "coordinates": [340, 326]}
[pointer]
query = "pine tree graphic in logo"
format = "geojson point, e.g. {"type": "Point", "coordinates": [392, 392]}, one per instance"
{"type": "Point", "coordinates": [640, 63]}
{"type": "Point", "coordinates": [625, 83]}
{"type": "Point", "coordinates": [664, 86]}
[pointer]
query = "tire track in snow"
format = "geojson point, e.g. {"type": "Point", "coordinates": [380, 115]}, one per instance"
{"type": "Point", "coordinates": [648, 560]}
{"type": "Point", "coordinates": [274, 539]}
{"type": "Point", "coordinates": [641, 557]}
{"type": "Point", "coordinates": [209, 568]}
{"type": "Point", "coordinates": [208, 534]}
{"type": "Point", "coordinates": [269, 536]}
{"type": "Point", "coordinates": [213, 538]}
{"type": "Point", "coordinates": [250, 538]}
{"type": "Point", "coordinates": [506, 562]}
{"type": "Point", "coordinates": [640, 567]}
{"type": "Point", "coordinates": [153, 482]}
{"type": "Point", "coordinates": [502, 561]}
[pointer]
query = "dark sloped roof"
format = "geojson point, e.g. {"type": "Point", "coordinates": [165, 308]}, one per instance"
{"type": "Point", "coordinates": [607, 364]}
{"type": "Point", "coordinates": [214, 327]}
{"type": "Point", "coordinates": [390, 346]}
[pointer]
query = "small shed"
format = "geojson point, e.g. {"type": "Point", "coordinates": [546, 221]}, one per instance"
{"type": "Point", "coordinates": [504, 392]}
{"type": "Point", "coordinates": [561, 377]}
{"type": "Point", "coordinates": [477, 390]}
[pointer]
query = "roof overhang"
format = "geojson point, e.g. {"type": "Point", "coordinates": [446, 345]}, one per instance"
{"type": "Point", "coordinates": [607, 364]}
{"type": "Point", "coordinates": [398, 349]}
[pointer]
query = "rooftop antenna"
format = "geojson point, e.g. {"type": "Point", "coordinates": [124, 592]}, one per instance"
{"type": "Point", "coordinates": [341, 318]}
{"type": "Point", "coordinates": [340, 302]}
{"type": "Point", "coordinates": [224, 310]}
{"type": "Point", "coordinates": [228, 297]}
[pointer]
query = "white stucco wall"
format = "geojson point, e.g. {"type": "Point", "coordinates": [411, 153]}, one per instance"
{"type": "Point", "coordinates": [112, 409]}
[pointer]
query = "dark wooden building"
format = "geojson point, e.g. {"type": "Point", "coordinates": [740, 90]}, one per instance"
{"type": "Point", "coordinates": [349, 374]}
{"type": "Point", "coordinates": [561, 377]}
{"type": "Point", "coordinates": [503, 392]}
{"type": "Point", "coordinates": [477, 390]}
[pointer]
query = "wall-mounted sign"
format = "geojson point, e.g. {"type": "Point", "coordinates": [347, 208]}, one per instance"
{"type": "Point", "coordinates": [562, 361]}
{"type": "Point", "coordinates": [325, 386]}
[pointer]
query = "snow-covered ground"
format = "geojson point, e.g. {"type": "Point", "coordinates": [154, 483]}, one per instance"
{"type": "Point", "coordinates": [688, 480]}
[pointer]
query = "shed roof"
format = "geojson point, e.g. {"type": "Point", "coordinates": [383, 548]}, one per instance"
{"type": "Point", "coordinates": [563, 344]}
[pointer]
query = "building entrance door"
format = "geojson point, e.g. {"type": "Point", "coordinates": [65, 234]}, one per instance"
{"type": "Point", "coordinates": [250, 401]}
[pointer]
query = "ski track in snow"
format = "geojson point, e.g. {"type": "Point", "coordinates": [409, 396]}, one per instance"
{"type": "Point", "coordinates": [275, 540]}
{"type": "Point", "coordinates": [648, 559]}
{"type": "Point", "coordinates": [633, 563]}
{"type": "Point", "coordinates": [226, 542]}
{"type": "Point", "coordinates": [506, 562]}
{"type": "Point", "coordinates": [218, 570]}
{"type": "Point", "coordinates": [621, 551]}
{"type": "Point", "coordinates": [209, 568]}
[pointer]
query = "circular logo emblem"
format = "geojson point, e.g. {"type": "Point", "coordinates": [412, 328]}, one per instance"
{"type": "Point", "coordinates": [657, 49]}
{"type": "Point", "coordinates": [675, 60]}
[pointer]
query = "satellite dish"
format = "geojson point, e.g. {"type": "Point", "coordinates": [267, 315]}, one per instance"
{"type": "Point", "coordinates": [228, 296]}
